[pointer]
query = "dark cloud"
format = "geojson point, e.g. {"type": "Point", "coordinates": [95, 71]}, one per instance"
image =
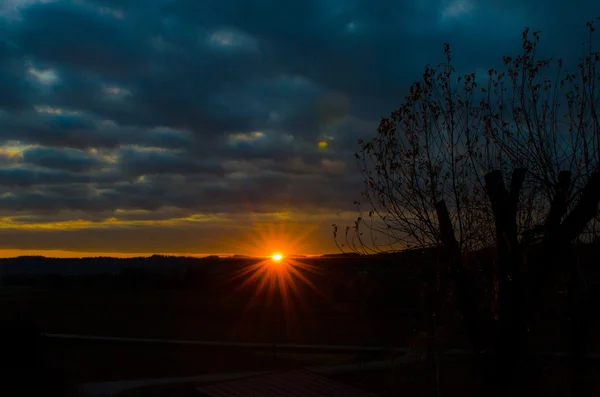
{"type": "Point", "coordinates": [19, 177]}
{"type": "Point", "coordinates": [50, 129]}
{"type": "Point", "coordinates": [149, 111]}
{"type": "Point", "coordinates": [70, 160]}
{"type": "Point", "coordinates": [152, 162]}
{"type": "Point", "coordinates": [81, 36]}
{"type": "Point", "coordinates": [82, 131]}
{"type": "Point", "coordinates": [16, 89]}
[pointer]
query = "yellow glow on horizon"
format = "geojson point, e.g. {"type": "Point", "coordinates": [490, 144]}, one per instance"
{"type": "Point", "coordinates": [253, 232]}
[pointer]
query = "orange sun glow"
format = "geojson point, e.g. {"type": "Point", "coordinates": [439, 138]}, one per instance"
{"type": "Point", "coordinates": [276, 280]}
{"type": "Point", "coordinates": [277, 257]}
{"type": "Point", "coordinates": [277, 277]}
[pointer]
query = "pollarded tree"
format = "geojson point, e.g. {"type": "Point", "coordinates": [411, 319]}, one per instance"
{"type": "Point", "coordinates": [435, 175]}
{"type": "Point", "coordinates": [425, 152]}
{"type": "Point", "coordinates": [561, 151]}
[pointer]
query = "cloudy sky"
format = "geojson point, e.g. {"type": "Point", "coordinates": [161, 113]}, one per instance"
{"type": "Point", "coordinates": [219, 126]}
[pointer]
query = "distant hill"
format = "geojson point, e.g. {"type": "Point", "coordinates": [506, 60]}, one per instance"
{"type": "Point", "coordinates": [40, 265]}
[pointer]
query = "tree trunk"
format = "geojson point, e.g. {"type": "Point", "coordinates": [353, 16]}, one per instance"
{"type": "Point", "coordinates": [511, 326]}
{"type": "Point", "coordinates": [463, 286]}
{"type": "Point", "coordinates": [579, 326]}
{"type": "Point", "coordinates": [558, 239]}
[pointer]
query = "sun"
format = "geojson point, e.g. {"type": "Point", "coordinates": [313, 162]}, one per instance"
{"type": "Point", "coordinates": [277, 280]}
{"type": "Point", "coordinates": [277, 257]}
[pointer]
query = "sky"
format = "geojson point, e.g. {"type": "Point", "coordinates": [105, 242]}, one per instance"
{"type": "Point", "coordinates": [214, 127]}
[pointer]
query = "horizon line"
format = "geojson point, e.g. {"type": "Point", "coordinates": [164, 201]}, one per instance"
{"type": "Point", "coordinates": [11, 253]}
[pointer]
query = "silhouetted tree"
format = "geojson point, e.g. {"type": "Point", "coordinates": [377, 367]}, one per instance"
{"type": "Point", "coordinates": [435, 176]}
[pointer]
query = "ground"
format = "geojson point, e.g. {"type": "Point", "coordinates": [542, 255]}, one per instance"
{"type": "Point", "coordinates": [193, 313]}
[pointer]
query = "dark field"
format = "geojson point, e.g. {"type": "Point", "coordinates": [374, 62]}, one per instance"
{"type": "Point", "coordinates": [184, 315]}
{"type": "Point", "coordinates": [350, 301]}
{"type": "Point", "coordinates": [337, 308]}
{"type": "Point", "coordinates": [198, 305]}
